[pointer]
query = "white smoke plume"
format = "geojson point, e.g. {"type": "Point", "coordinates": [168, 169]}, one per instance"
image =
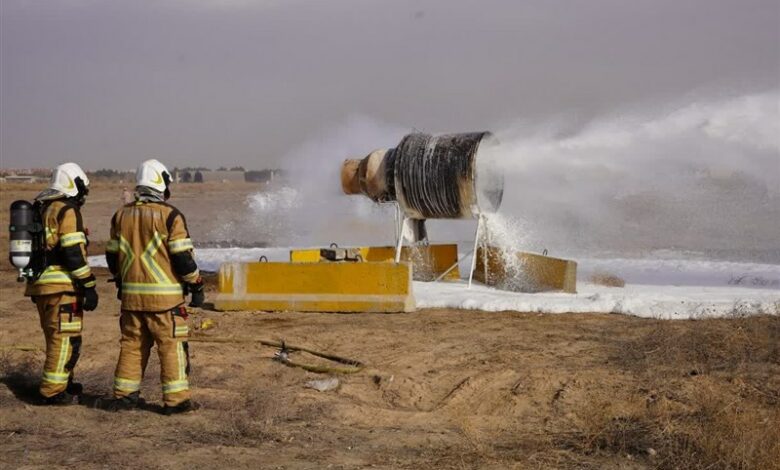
{"type": "Point", "coordinates": [698, 176]}
{"type": "Point", "coordinates": [701, 176]}
{"type": "Point", "coordinates": [320, 214]}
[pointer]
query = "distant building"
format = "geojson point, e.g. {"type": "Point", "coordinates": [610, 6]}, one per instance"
{"type": "Point", "coordinates": [262, 176]}
{"type": "Point", "coordinates": [24, 179]}
{"type": "Point", "coordinates": [223, 176]}
{"type": "Point", "coordinates": [182, 176]}
{"type": "Point", "coordinates": [201, 175]}
{"type": "Point", "coordinates": [196, 175]}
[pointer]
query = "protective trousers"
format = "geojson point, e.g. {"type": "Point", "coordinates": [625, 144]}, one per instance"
{"type": "Point", "coordinates": [140, 331]}
{"type": "Point", "coordinates": [61, 321]}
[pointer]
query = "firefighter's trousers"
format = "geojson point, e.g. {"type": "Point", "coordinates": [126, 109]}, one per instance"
{"type": "Point", "coordinates": [61, 321]}
{"type": "Point", "coordinates": [142, 330]}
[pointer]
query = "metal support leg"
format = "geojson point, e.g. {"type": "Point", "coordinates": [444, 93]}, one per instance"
{"type": "Point", "coordinates": [485, 253]}
{"type": "Point", "coordinates": [476, 244]}
{"type": "Point", "coordinates": [400, 242]}
{"type": "Point", "coordinates": [455, 265]}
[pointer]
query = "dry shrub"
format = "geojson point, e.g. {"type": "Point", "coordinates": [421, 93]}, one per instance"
{"type": "Point", "coordinates": [607, 279]}
{"type": "Point", "coordinates": [718, 432]}
{"type": "Point", "coordinates": [259, 412]}
{"type": "Point", "coordinates": [735, 433]}
{"type": "Point", "coordinates": [746, 345]}
{"type": "Point", "coordinates": [709, 397]}
{"type": "Point", "coordinates": [251, 417]}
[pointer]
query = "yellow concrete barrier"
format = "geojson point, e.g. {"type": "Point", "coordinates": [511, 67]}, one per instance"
{"type": "Point", "coordinates": [429, 261]}
{"type": "Point", "coordinates": [525, 272]}
{"type": "Point", "coordinates": [316, 287]}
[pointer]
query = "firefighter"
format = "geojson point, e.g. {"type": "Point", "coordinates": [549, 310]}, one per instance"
{"type": "Point", "coordinates": [150, 255]}
{"type": "Point", "coordinates": [65, 287]}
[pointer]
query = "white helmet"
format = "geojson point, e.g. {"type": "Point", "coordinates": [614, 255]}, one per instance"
{"type": "Point", "coordinates": [153, 174]}
{"type": "Point", "coordinates": [70, 180]}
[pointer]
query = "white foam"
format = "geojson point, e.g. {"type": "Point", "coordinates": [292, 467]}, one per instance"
{"type": "Point", "coordinates": [702, 289]}
{"type": "Point", "coordinates": [663, 302]}
{"type": "Point", "coordinates": [684, 272]}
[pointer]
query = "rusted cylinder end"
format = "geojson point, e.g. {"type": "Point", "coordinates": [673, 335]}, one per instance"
{"type": "Point", "coordinates": [350, 180]}
{"type": "Point", "coordinates": [373, 176]}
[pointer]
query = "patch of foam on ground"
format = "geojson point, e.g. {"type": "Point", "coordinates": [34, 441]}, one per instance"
{"type": "Point", "coordinates": [683, 272]}
{"type": "Point", "coordinates": [663, 302]}
{"type": "Point", "coordinates": [703, 289]}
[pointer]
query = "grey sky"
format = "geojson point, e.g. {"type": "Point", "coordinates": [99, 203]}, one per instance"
{"type": "Point", "coordinates": [209, 82]}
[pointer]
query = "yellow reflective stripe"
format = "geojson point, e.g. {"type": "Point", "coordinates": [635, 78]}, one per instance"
{"type": "Point", "coordinates": [178, 246]}
{"type": "Point", "coordinates": [90, 284]}
{"type": "Point", "coordinates": [175, 386]}
{"type": "Point", "coordinates": [182, 358]}
{"type": "Point", "coordinates": [71, 239]}
{"type": "Point", "coordinates": [50, 233]}
{"type": "Point", "coordinates": [67, 327]}
{"type": "Point", "coordinates": [151, 289]}
{"type": "Point", "coordinates": [127, 250]}
{"type": "Point", "coordinates": [54, 274]}
{"type": "Point", "coordinates": [191, 277]}
{"type": "Point", "coordinates": [127, 385]}
{"type": "Point", "coordinates": [54, 278]}
{"type": "Point", "coordinates": [112, 246]}
{"type": "Point", "coordinates": [56, 378]}
{"type": "Point", "coordinates": [82, 271]}
{"type": "Point", "coordinates": [148, 259]}
{"type": "Point", "coordinates": [180, 331]}
{"type": "Point", "coordinates": [64, 345]}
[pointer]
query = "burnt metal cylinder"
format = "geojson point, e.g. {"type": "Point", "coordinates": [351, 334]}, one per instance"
{"type": "Point", "coordinates": [432, 177]}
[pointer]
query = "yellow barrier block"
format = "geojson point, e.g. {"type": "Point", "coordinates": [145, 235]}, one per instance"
{"type": "Point", "coordinates": [316, 287]}
{"type": "Point", "coordinates": [429, 261]}
{"type": "Point", "coordinates": [525, 272]}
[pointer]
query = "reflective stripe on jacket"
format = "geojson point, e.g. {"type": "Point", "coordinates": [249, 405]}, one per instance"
{"type": "Point", "coordinates": [64, 230]}
{"type": "Point", "coordinates": [144, 237]}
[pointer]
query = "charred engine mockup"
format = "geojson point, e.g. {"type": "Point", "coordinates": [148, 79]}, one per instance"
{"type": "Point", "coordinates": [450, 176]}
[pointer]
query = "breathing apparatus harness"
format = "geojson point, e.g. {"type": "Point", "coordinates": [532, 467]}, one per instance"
{"type": "Point", "coordinates": [27, 231]}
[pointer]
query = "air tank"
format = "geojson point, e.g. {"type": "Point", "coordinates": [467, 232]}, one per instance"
{"type": "Point", "coordinates": [449, 176]}
{"type": "Point", "coordinates": [20, 234]}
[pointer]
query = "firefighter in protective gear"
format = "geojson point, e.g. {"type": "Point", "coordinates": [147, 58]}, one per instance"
{"type": "Point", "coordinates": [150, 254]}
{"type": "Point", "coordinates": [66, 286]}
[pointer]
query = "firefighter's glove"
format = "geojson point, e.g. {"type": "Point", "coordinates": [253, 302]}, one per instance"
{"type": "Point", "coordinates": [90, 299]}
{"type": "Point", "coordinates": [118, 284]}
{"type": "Point", "coordinates": [198, 295]}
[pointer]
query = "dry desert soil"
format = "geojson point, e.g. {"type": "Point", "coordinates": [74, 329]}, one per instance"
{"type": "Point", "coordinates": [441, 388]}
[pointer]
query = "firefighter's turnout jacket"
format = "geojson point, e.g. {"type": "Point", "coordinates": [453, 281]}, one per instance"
{"type": "Point", "coordinates": [150, 256]}
{"type": "Point", "coordinates": [57, 292]}
{"type": "Point", "coordinates": [66, 269]}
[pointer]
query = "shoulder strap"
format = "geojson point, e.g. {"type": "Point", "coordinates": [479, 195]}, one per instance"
{"type": "Point", "coordinates": [172, 217]}
{"type": "Point", "coordinates": [39, 207]}
{"type": "Point", "coordinates": [64, 210]}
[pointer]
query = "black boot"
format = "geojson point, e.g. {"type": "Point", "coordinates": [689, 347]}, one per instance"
{"type": "Point", "coordinates": [60, 399]}
{"type": "Point", "coordinates": [183, 407]}
{"type": "Point", "coordinates": [74, 388]}
{"type": "Point", "coordinates": [127, 403]}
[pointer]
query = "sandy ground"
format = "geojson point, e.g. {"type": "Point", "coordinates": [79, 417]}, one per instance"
{"type": "Point", "coordinates": [442, 389]}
